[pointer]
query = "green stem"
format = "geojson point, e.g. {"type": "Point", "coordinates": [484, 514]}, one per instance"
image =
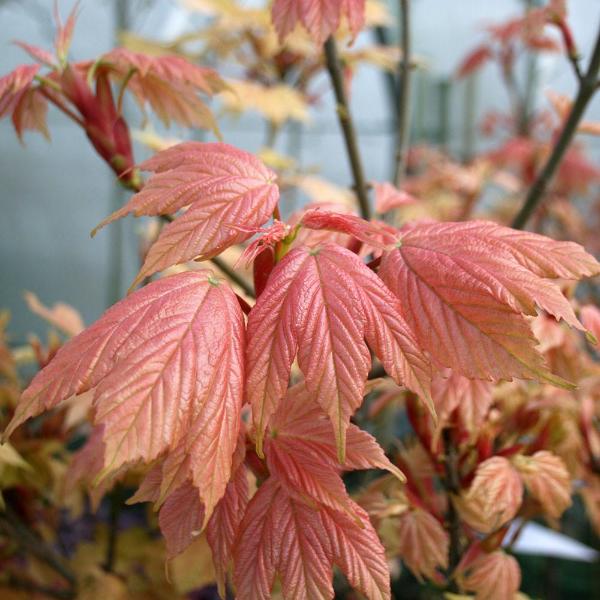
{"type": "Point", "coordinates": [587, 87]}
{"type": "Point", "coordinates": [347, 125]}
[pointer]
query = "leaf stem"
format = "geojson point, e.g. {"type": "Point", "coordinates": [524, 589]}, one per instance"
{"type": "Point", "coordinates": [404, 81]}
{"type": "Point", "coordinates": [587, 87]}
{"type": "Point", "coordinates": [345, 119]}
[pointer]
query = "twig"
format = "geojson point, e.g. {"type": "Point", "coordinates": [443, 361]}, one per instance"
{"type": "Point", "coordinates": [347, 125]}
{"type": "Point", "coordinates": [587, 86]}
{"type": "Point", "coordinates": [115, 504]}
{"type": "Point", "coordinates": [31, 543]}
{"type": "Point", "coordinates": [404, 80]}
{"type": "Point", "coordinates": [452, 485]}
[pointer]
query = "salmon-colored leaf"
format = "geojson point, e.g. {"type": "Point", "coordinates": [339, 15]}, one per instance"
{"type": "Point", "coordinates": [494, 576]}
{"type": "Point", "coordinates": [301, 452]}
{"type": "Point", "coordinates": [281, 536]}
{"type": "Point", "coordinates": [14, 85]}
{"type": "Point", "coordinates": [300, 425]}
{"type": "Point", "coordinates": [388, 197]}
{"type": "Point", "coordinates": [547, 480]}
{"type": "Point", "coordinates": [181, 518]}
{"type": "Point", "coordinates": [170, 84]}
{"type": "Point", "coordinates": [422, 543]}
{"type": "Point", "coordinates": [224, 523]}
{"type": "Point", "coordinates": [474, 61]}
{"type": "Point", "coordinates": [321, 304]}
{"type": "Point", "coordinates": [466, 288]}
{"type": "Point", "coordinates": [468, 399]}
{"type": "Point", "coordinates": [229, 192]}
{"type": "Point", "coordinates": [166, 365]}
{"type": "Point", "coordinates": [375, 234]}
{"type": "Point", "coordinates": [321, 18]}
{"type": "Point", "coordinates": [497, 489]}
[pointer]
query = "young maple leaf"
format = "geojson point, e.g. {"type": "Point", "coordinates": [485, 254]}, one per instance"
{"type": "Point", "coordinates": [157, 361]}
{"type": "Point", "coordinates": [229, 193]}
{"type": "Point", "coordinates": [301, 451]}
{"type": "Point", "coordinates": [181, 518]}
{"type": "Point", "coordinates": [547, 480]}
{"type": "Point", "coordinates": [466, 288]}
{"type": "Point", "coordinates": [494, 576]}
{"type": "Point", "coordinates": [375, 234]}
{"type": "Point", "coordinates": [223, 526]}
{"type": "Point", "coordinates": [470, 398]}
{"type": "Point", "coordinates": [282, 536]}
{"type": "Point", "coordinates": [388, 197]}
{"type": "Point", "coordinates": [422, 543]}
{"type": "Point", "coordinates": [497, 490]}
{"type": "Point", "coordinates": [170, 84]}
{"type": "Point", "coordinates": [321, 304]}
{"type": "Point", "coordinates": [590, 317]}
{"type": "Point", "coordinates": [321, 18]}
{"type": "Point", "coordinates": [20, 99]}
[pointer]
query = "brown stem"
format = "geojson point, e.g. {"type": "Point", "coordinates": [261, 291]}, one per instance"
{"type": "Point", "coordinates": [29, 542]}
{"type": "Point", "coordinates": [347, 125]}
{"type": "Point", "coordinates": [587, 86]}
{"type": "Point", "coordinates": [404, 80]}
{"type": "Point", "coordinates": [452, 485]}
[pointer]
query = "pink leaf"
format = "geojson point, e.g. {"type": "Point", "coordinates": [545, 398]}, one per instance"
{"type": "Point", "coordinates": [38, 54]}
{"type": "Point", "coordinates": [494, 576]}
{"type": "Point", "coordinates": [181, 518]}
{"type": "Point", "coordinates": [170, 84]}
{"type": "Point", "coordinates": [377, 235]}
{"type": "Point", "coordinates": [388, 197]}
{"type": "Point", "coordinates": [14, 85]}
{"type": "Point", "coordinates": [321, 18]}
{"type": "Point", "coordinates": [547, 480]}
{"type": "Point", "coordinates": [64, 33]}
{"type": "Point", "coordinates": [465, 289]}
{"type": "Point", "coordinates": [474, 61]}
{"type": "Point", "coordinates": [422, 543]}
{"type": "Point", "coordinates": [225, 189]}
{"type": "Point", "coordinates": [283, 537]}
{"type": "Point", "coordinates": [321, 304]}
{"type": "Point", "coordinates": [158, 360]}
{"type": "Point", "coordinates": [590, 316]}
{"type": "Point", "coordinates": [470, 398]}
{"type": "Point", "coordinates": [498, 489]}
{"type": "Point", "coordinates": [224, 524]}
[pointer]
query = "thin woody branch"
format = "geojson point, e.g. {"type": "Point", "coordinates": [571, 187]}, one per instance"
{"type": "Point", "coordinates": [403, 109]}
{"type": "Point", "coordinates": [347, 125]}
{"type": "Point", "coordinates": [587, 87]}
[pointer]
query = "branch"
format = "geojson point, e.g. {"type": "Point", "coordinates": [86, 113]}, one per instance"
{"type": "Point", "coordinates": [347, 125]}
{"type": "Point", "coordinates": [587, 86]}
{"type": "Point", "coordinates": [452, 485]}
{"type": "Point", "coordinates": [403, 110]}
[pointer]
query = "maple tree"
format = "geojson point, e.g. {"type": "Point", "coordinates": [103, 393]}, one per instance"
{"type": "Point", "coordinates": [239, 404]}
